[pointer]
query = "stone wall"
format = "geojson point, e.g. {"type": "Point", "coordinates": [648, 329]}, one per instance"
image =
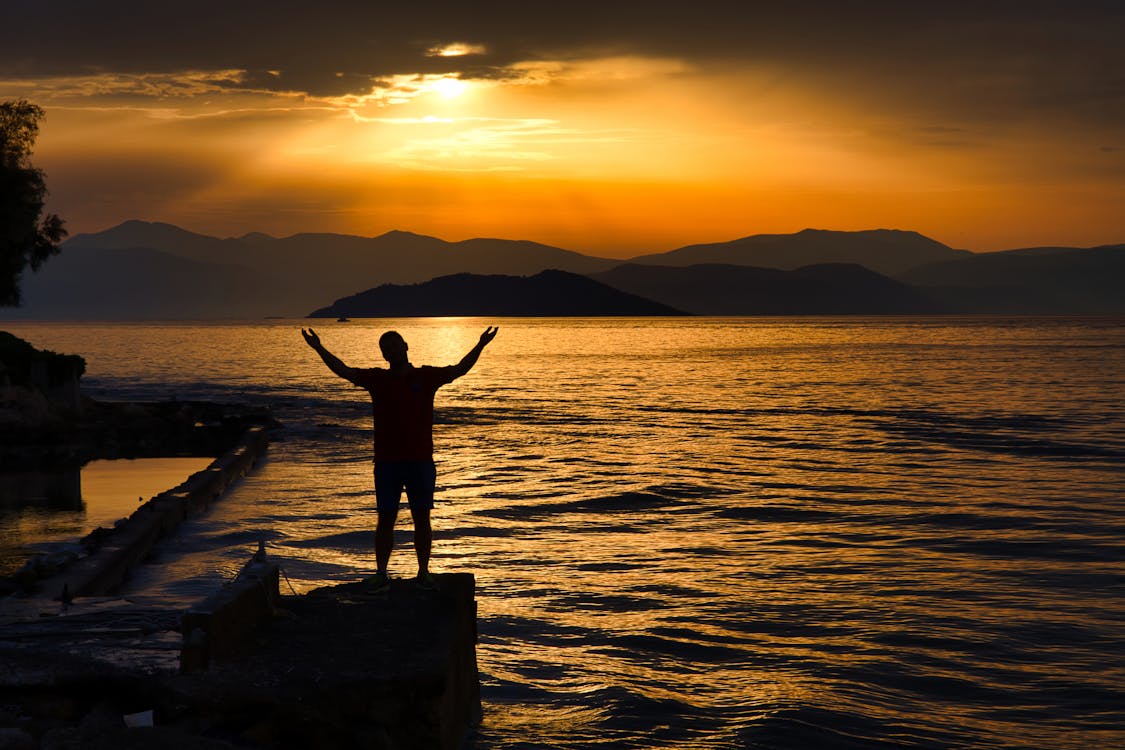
{"type": "Point", "coordinates": [336, 668]}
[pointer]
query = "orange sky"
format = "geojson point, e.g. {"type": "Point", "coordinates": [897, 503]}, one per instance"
{"type": "Point", "coordinates": [612, 149]}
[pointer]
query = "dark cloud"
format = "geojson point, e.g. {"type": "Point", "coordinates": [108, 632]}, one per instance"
{"type": "Point", "coordinates": [315, 83]}
{"type": "Point", "coordinates": [988, 60]}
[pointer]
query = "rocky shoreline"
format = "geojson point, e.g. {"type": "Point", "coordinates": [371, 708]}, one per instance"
{"type": "Point", "coordinates": [129, 430]}
{"type": "Point", "coordinates": [46, 437]}
{"type": "Point", "coordinates": [81, 667]}
{"type": "Point", "coordinates": [336, 668]}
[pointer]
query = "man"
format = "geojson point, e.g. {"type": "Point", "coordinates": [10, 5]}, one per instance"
{"type": "Point", "coordinates": [402, 407]}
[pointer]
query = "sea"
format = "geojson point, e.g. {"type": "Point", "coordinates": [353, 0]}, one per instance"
{"type": "Point", "coordinates": [886, 532]}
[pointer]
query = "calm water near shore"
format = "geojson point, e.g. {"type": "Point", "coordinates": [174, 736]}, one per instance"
{"type": "Point", "coordinates": [712, 533]}
{"type": "Point", "coordinates": [45, 511]}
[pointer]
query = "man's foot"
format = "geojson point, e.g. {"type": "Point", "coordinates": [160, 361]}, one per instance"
{"type": "Point", "coordinates": [378, 583]}
{"type": "Point", "coordinates": [427, 581]}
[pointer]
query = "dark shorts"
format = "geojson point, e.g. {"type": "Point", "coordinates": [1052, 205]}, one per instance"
{"type": "Point", "coordinates": [418, 478]}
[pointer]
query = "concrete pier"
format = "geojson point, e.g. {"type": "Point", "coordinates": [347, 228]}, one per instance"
{"type": "Point", "coordinates": [113, 554]}
{"type": "Point", "coordinates": [339, 668]}
{"type": "Point", "coordinates": [335, 668]}
{"type": "Point", "coordinates": [247, 667]}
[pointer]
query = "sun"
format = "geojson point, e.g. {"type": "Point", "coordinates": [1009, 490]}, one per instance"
{"type": "Point", "coordinates": [450, 87]}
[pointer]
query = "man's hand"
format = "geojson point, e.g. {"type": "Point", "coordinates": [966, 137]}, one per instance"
{"type": "Point", "coordinates": [311, 338]}
{"type": "Point", "coordinates": [470, 359]}
{"type": "Point", "coordinates": [330, 359]}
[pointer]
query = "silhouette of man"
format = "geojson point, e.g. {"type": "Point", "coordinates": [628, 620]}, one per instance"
{"type": "Point", "coordinates": [402, 407]}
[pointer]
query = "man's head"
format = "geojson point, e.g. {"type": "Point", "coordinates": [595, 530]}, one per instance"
{"type": "Point", "coordinates": [394, 348]}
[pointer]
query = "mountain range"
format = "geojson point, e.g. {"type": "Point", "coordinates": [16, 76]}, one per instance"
{"type": "Point", "coordinates": [146, 270]}
{"type": "Point", "coordinates": [887, 251]}
{"type": "Point", "coordinates": [1031, 280]}
{"type": "Point", "coordinates": [821, 289]}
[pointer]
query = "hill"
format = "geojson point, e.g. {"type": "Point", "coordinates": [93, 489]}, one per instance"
{"type": "Point", "coordinates": [141, 284]}
{"type": "Point", "coordinates": [824, 289]}
{"type": "Point", "coordinates": [140, 270]}
{"type": "Point", "coordinates": [549, 293]}
{"type": "Point", "coordinates": [1031, 280]}
{"type": "Point", "coordinates": [886, 251]}
{"type": "Point", "coordinates": [151, 270]}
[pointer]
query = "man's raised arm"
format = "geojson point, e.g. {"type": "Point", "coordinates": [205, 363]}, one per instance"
{"type": "Point", "coordinates": [334, 363]}
{"type": "Point", "coordinates": [471, 358]}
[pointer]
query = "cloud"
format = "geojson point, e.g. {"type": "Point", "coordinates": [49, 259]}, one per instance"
{"type": "Point", "coordinates": [312, 82]}
{"type": "Point", "coordinates": [987, 62]}
{"type": "Point", "coordinates": [457, 49]}
{"type": "Point", "coordinates": [153, 86]}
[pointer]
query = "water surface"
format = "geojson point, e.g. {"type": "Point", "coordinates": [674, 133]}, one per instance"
{"type": "Point", "coordinates": [49, 511]}
{"type": "Point", "coordinates": [713, 533]}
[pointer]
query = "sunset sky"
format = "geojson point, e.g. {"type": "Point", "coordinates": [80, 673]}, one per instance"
{"type": "Point", "coordinates": [611, 128]}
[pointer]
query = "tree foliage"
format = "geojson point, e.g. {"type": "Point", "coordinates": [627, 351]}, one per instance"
{"type": "Point", "coordinates": [27, 237]}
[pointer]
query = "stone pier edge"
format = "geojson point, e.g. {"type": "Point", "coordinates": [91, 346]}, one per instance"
{"type": "Point", "coordinates": [121, 549]}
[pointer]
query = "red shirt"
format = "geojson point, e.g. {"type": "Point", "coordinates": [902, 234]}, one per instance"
{"type": "Point", "coordinates": [402, 406]}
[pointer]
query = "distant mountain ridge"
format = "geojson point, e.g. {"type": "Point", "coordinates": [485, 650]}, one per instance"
{"type": "Point", "coordinates": [886, 251]}
{"type": "Point", "coordinates": [140, 283]}
{"type": "Point", "coordinates": [150, 270]}
{"type": "Point", "coordinates": [822, 289]}
{"type": "Point", "coordinates": [1031, 280]}
{"type": "Point", "coordinates": [546, 294]}
{"type": "Point", "coordinates": [275, 277]}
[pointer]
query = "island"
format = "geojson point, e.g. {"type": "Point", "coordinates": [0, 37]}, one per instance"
{"type": "Point", "coordinates": [549, 293]}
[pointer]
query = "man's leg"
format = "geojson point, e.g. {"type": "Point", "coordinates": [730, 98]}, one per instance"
{"type": "Point", "coordinates": [385, 539]}
{"type": "Point", "coordinates": [388, 491]}
{"type": "Point", "coordinates": [423, 539]}
{"type": "Point", "coordinates": [420, 493]}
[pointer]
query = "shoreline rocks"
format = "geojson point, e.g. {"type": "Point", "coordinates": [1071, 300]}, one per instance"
{"type": "Point", "coordinates": [334, 668]}
{"type": "Point", "coordinates": [104, 429]}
